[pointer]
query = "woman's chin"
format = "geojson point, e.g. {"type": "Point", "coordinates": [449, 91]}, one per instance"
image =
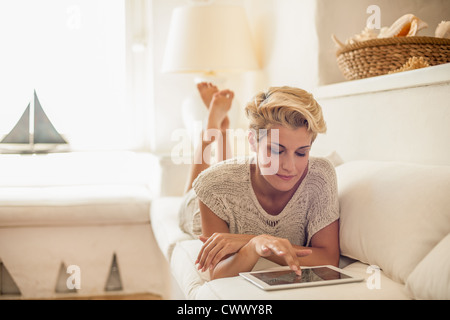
{"type": "Point", "coordinates": [284, 183]}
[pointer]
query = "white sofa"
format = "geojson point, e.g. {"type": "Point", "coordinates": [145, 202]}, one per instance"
{"type": "Point", "coordinates": [81, 209]}
{"type": "Point", "coordinates": [75, 208]}
{"type": "Point", "coordinates": [394, 232]}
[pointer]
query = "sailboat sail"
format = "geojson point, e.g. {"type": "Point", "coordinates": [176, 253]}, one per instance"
{"type": "Point", "coordinates": [21, 131]}
{"type": "Point", "coordinates": [44, 131]}
{"type": "Point", "coordinates": [43, 138]}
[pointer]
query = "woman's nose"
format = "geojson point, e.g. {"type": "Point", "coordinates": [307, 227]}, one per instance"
{"type": "Point", "coordinates": [288, 163]}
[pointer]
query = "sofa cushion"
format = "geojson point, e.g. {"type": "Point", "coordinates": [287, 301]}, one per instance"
{"type": "Point", "coordinates": [431, 278]}
{"type": "Point", "coordinates": [77, 188]}
{"type": "Point", "coordinates": [165, 225]}
{"type": "Point", "coordinates": [74, 205]}
{"type": "Point", "coordinates": [392, 214]}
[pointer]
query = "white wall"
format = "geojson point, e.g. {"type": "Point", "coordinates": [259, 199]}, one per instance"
{"type": "Point", "coordinates": [287, 39]}
{"type": "Point", "coordinates": [404, 124]}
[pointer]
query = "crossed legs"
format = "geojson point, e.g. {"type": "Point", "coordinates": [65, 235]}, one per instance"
{"type": "Point", "coordinates": [218, 102]}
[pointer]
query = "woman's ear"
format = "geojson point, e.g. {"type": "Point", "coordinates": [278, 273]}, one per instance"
{"type": "Point", "coordinates": [252, 140]}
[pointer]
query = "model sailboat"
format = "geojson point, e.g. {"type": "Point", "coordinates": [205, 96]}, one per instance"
{"type": "Point", "coordinates": [33, 133]}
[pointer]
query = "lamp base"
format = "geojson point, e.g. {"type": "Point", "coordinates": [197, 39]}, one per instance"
{"type": "Point", "coordinates": [194, 114]}
{"type": "Point", "coordinates": [212, 78]}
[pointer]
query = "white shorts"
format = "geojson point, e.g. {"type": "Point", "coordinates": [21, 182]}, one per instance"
{"type": "Point", "coordinates": [189, 215]}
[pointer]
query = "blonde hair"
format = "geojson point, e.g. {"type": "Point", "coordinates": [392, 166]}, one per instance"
{"type": "Point", "coordinates": [290, 107]}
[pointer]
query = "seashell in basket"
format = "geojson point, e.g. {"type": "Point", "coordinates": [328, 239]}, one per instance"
{"type": "Point", "coordinates": [412, 64]}
{"type": "Point", "coordinates": [366, 34]}
{"type": "Point", "coordinates": [443, 30]}
{"type": "Point", "coordinates": [395, 49]}
{"type": "Point", "coordinates": [405, 26]}
{"type": "Point", "coordinates": [380, 56]}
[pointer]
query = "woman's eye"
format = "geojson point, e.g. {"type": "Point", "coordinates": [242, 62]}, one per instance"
{"type": "Point", "coordinates": [300, 154]}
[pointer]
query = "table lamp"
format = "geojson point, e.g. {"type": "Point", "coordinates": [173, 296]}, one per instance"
{"type": "Point", "coordinates": [207, 40]}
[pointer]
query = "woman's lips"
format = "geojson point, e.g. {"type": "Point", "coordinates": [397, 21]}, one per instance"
{"type": "Point", "coordinates": [285, 178]}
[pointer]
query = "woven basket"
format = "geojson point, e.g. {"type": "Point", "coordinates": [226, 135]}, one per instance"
{"type": "Point", "coordinates": [380, 56]}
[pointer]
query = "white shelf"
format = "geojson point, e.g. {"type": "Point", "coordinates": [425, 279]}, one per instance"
{"type": "Point", "coordinates": [408, 79]}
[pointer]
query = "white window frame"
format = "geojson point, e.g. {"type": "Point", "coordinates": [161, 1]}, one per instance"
{"type": "Point", "coordinates": [140, 71]}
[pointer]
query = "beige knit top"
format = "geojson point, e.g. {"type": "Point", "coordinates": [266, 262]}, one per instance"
{"type": "Point", "coordinates": [227, 190]}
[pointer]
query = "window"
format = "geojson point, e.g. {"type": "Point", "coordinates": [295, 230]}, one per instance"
{"type": "Point", "coordinates": [74, 54]}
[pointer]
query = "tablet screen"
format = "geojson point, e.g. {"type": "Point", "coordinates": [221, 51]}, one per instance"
{"type": "Point", "coordinates": [308, 275]}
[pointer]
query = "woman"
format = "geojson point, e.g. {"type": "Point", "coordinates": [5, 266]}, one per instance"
{"type": "Point", "coordinates": [280, 204]}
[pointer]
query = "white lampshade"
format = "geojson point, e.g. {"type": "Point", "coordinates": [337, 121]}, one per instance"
{"type": "Point", "coordinates": [209, 39]}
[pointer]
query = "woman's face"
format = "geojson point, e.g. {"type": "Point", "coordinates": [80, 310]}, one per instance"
{"type": "Point", "coordinates": [283, 156]}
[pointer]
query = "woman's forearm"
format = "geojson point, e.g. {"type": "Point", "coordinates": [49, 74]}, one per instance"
{"type": "Point", "coordinates": [242, 261]}
{"type": "Point", "coordinates": [320, 256]}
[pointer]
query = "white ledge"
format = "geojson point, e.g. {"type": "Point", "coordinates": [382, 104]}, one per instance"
{"type": "Point", "coordinates": [408, 79]}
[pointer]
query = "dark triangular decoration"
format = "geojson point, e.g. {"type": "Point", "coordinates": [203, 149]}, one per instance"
{"type": "Point", "coordinates": [114, 283]}
{"type": "Point", "coordinates": [44, 131]}
{"type": "Point", "coordinates": [21, 131]}
{"type": "Point", "coordinates": [61, 281]}
{"type": "Point", "coordinates": [7, 284]}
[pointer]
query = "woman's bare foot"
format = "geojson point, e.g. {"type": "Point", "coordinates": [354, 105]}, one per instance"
{"type": "Point", "coordinates": [218, 111]}
{"type": "Point", "coordinates": [207, 91]}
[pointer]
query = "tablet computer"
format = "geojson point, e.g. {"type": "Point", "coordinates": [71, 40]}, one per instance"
{"type": "Point", "coordinates": [285, 278]}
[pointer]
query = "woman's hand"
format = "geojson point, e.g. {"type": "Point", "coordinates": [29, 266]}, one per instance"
{"type": "Point", "coordinates": [266, 245]}
{"type": "Point", "coordinates": [247, 249]}
{"type": "Point", "coordinates": [217, 247]}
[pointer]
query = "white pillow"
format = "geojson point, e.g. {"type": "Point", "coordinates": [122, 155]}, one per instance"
{"type": "Point", "coordinates": [431, 278]}
{"type": "Point", "coordinates": [335, 159]}
{"type": "Point", "coordinates": [392, 214]}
